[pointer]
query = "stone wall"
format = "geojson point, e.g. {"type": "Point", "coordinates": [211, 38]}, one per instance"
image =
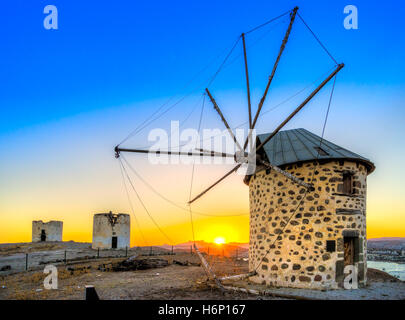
{"type": "Point", "coordinates": [104, 229]}
{"type": "Point", "coordinates": [293, 226]}
{"type": "Point", "coordinates": [53, 230]}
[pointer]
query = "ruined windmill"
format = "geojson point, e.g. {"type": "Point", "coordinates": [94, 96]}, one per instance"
{"type": "Point", "coordinates": [307, 197]}
{"type": "Point", "coordinates": [111, 231]}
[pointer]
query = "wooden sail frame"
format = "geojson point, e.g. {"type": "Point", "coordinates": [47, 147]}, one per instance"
{"type": "Point", "coordinates": [252, 123]}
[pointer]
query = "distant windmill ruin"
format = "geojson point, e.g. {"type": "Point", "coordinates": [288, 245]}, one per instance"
{"type": "Point", "coordinates": [307, 196]}
{"type": "Point", "coordinates": [46, 231]}
{"type": "Point", "coordinates": [111, 231]}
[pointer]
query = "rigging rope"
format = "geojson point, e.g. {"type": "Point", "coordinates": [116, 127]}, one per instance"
{"type": "Point", "coordinates": [131, 206]}
{"type": "Point", "coordinates": [172, 202]}
{"type": "Point", "coordinates": [317, 39]}
{"type": "Point", "coordinates": [192, 174]}
{"type": "Point", "coordinates": [255, 42]}
{"type": "Point", "coordinates": [267, 22]}
{"type": "Point", "coordinates": [189, 209]}
{"type": "Point", "coordinates": [313, 173]}
{"type": "Point", "coordinates": [181, 123]}
{"type": "Point", "coordinates": [149, 120]}
{"type": "Point", "coordinates": [143, 205]}
{"type": "Point", "coordinates": [271, 109]}
{"type": "Point", "coordinates": [223, 62]}
{"type": "Point", "coordinates": [223, 66]}
{"type": "Point", "coordinates": [159, 114]}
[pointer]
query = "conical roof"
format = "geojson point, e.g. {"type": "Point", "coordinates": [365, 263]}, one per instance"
{"type": "Point", "coordinates": [300, 145]}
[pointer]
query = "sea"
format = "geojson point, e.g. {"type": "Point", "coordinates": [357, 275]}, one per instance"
{"type": "Point", "coordinates": [395, 269]}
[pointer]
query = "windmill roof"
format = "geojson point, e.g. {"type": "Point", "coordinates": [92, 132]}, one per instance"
{"type": "Point", "coordinates": [300, 145]}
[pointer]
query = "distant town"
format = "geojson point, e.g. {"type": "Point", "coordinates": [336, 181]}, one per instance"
{"type": "Point", "coordinates": [386, 249]}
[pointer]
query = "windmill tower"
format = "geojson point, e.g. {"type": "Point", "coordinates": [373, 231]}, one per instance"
{"type": "Point", "coordinates": [306, 239]}
{"type": "Point", "coordinates": [274, 183]}
{"type": "Point", "coordinates": [111, 231]}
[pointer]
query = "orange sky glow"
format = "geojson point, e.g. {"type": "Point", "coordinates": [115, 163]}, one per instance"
{"type": "Point", "coordinates": [229, 198]}
{"type": "Point", "coordinates": [71, 174]}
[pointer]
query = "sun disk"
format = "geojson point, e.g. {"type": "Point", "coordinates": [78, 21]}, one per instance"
{"type": "Point", "coordinates": [219, 240]}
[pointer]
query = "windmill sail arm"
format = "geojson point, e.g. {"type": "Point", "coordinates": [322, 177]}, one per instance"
{"type": "Point", "coordinates": [215, 153]}
{"type": "Point", "coordinates": [287, 174]}
{"type": "Point", "coordinates": [287, 35]}
{"type": "Point", "coordinates": [283, 44]}
{"type": "Point", "coordinates": [324, 82]}
{"type": "Point", "coordinates": [247, 81]}
{"type": "Point", "coordinates": [218, 110]}
{"type": "Point", "coordinates": [214, 184]}
{"type": "Point", "coordinates": [178, 153]}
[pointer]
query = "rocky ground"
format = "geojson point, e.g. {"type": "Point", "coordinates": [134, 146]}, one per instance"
{"type": "Point", "coordinates": [7, 249]}
{"type": "Point", "coordinates": [174, 281]}
{"type": "Point", "coordinates": [17, 257]}
{"type": "Point", "coordinates": [381, 286]}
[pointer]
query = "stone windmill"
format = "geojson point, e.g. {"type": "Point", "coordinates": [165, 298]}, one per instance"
{"type": "Point", "coordinates": [306, 239]}
{"type": "Point", "coordinates": [287, 247]}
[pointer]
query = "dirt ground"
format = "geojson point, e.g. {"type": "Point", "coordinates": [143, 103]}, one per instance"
{"type": "Point", "coordinates": [17, 257]}
{"type": "Point", "coordinates": [13, 248]}
{"type": "Point", "coordinates": [171, 282]}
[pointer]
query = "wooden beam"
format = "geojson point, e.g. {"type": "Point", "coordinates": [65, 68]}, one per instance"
{"type": "Point", "coordinates": [338, 68]}
{"type": "Point", "coordinates": [238, 276]}
{"type": "Point", "coordinates": [208, 269]}
{"type": "Point", "coordinates": [247, 81]}
{"type": "Point", "coordinates": [288, 175]}
{"type": "Point", "coordinates": [214, 184]}
{"type": "Point", "coordinates": [223, 118]}
{"type": "Point", "coordinates": [273, 71]}
{"type": "Point", "coordinates": [215, 153]}
{"type": "Point", "coordinates": [267, 293]}
{"type": "Point", "coordinates": [201, 154]}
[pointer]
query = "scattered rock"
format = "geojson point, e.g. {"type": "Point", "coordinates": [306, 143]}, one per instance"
{"type": "Point", "coordinates": [186, 263]}
{"type": "Point", "coordinates": [139, 264]}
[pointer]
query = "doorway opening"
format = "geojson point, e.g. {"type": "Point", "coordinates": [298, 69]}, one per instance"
{"type": "Point", "coordinates": [351, 253]}
{"type": "Point", "coordinates": [114, 242]}
{"type": "Point", "coordinates": [43, 235]}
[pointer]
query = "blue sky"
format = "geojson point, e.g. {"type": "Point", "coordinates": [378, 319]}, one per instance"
{"type": "Point", "coordinates": [108, 54]}
{"type": "Point", "coordinates": [69, 95]}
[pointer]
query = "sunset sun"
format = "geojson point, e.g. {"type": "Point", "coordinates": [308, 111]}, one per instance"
{"type": "Point", "coordinates": [219, 240]}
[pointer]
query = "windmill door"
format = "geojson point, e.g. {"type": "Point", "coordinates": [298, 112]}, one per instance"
{"type": "Point", "coordinates": [349, 251]}
{"type": "Point", "coordinates": [43, 235]}
{"type": "Point", "coordinates": [114, 242]}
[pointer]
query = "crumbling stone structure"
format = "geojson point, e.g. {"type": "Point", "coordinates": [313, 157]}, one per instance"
{"type": "Point", "coordinates": [47, 231]}
{"type": "Point", "coordinates": [111, 231]}
{"type": "Point", "coordinates": [301, 238]}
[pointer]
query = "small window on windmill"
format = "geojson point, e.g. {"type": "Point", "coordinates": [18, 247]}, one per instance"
{"type": "Point", "coordinates": [321, 152]}
{"type": "Point", "coordinates": [347, 183]}
{"type": "Point", "coordinates": [330, 245]}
